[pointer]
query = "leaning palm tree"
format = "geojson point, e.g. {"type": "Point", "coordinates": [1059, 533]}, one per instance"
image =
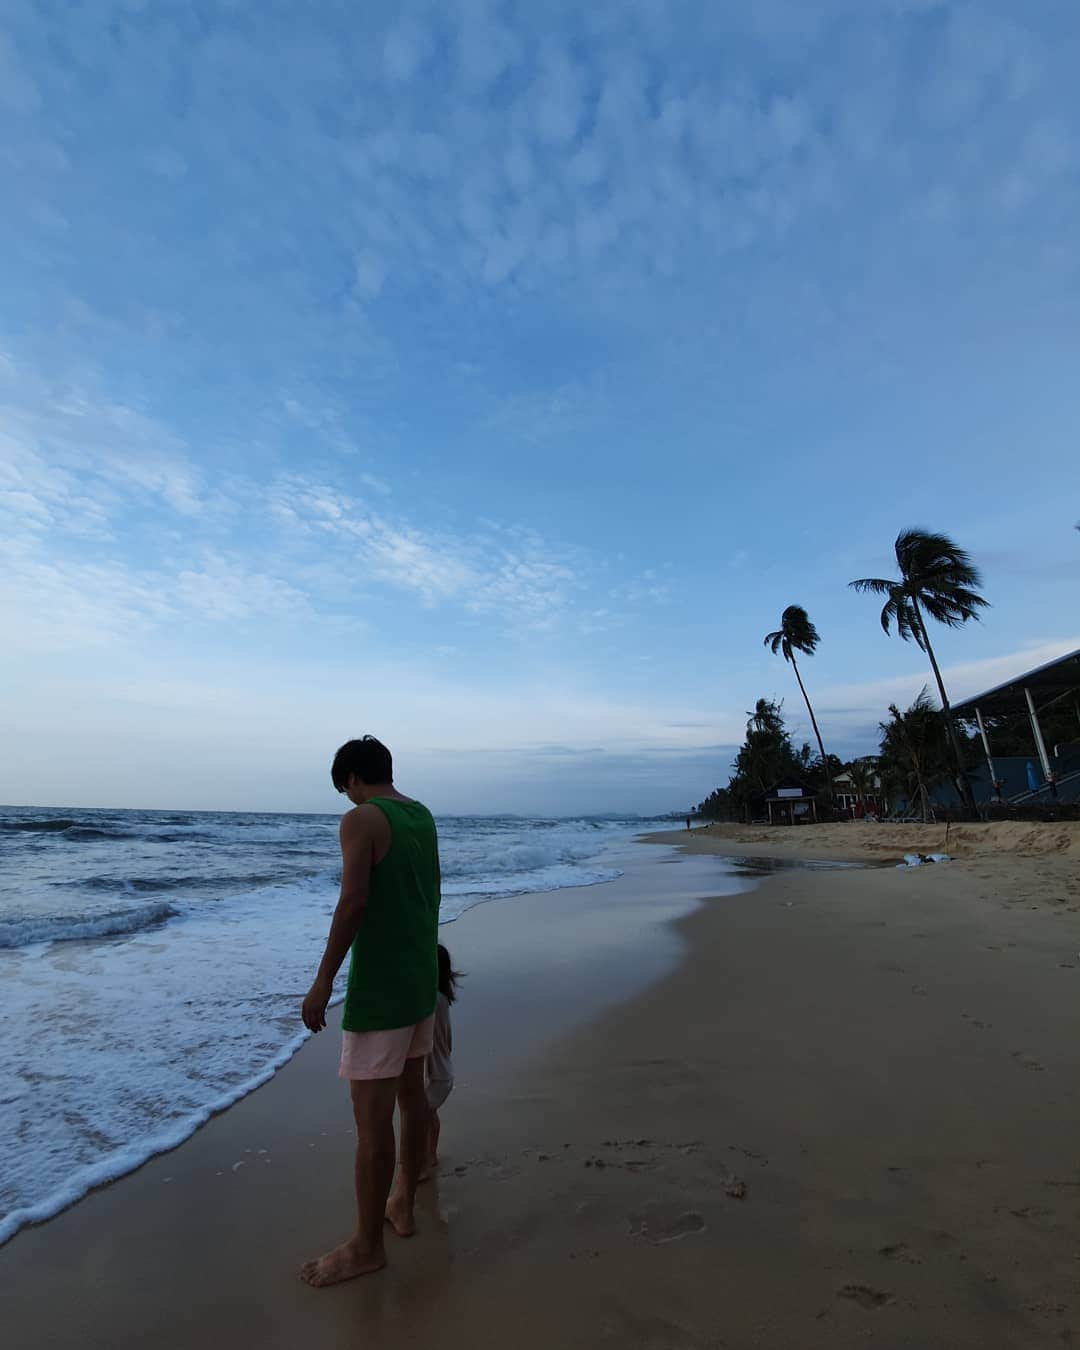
{"type": "Point", "coordinates": [939, 579]}
{"type": "Point", "coordinates": [914, 752]}
{"type": "Point", "coordinates": [797, 634]}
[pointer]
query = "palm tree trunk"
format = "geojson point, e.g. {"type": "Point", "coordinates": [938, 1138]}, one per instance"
{"type": "Point", "coordinates": [966, 794]}
{"type": "Point", "coordinates": [817, 733]}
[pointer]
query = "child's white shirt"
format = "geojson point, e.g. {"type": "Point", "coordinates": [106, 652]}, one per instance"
{"type": "Point", "coordinates": [440, 1062]}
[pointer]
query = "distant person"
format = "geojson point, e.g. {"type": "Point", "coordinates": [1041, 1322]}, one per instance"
{"type": "Point", "coordinates": [440, 1063]}
{"type": "Point", "coordinates": [388, 914]}
{"type": "Point", "coordinates": [687, 822]}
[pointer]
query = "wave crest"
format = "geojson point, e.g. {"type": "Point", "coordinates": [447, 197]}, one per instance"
{"type": "Point", "coordinates": [48, 825]}
{"type": "Point", "coordinates": [69, 928]}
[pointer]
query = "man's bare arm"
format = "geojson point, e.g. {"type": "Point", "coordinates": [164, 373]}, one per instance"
{"type": "Point", "coordinates": [357, 846]}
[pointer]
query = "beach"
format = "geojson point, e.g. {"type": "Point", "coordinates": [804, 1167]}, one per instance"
{"type": "Point", "coordinates": [829, 1107]}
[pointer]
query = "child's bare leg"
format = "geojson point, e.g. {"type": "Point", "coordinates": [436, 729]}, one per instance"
{"type": "Point", "coordinates": [433, 1141]}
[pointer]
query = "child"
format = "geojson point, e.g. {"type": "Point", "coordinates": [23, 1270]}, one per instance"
{"type": "Point", "coordinates": [440, 1066]}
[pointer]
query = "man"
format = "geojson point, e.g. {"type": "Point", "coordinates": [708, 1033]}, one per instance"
{"type": "Point", "coordinates": [388, 914]}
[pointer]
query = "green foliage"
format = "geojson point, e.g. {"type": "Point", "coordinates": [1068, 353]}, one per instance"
{"type": "Point", "coordinates": [765, 757]}
{"type": "Point", "coordinates": [717, 805]}
{"type": "Point", "coordinates": [766, 754]}
{"type": "Point", "coordinates": [914, 752]}
{"type": "Point", "coordinates": [795, 634]}
{"type": "Point", "coordinates": [937, 579]}
{"type": "Point", "coordinates": [935, 576]}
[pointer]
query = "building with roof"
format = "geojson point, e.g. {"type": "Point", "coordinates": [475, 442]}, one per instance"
{"type": "Point", "coordinates": [1052, 772]}
{"type": "Point", "coordinates": [791, 802]}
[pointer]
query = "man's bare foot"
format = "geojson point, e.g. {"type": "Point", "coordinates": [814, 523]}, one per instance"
{"type": "Point", "coordinates": [399, 1216]}
{"type": "Point", "coordinates": [343, 1263]}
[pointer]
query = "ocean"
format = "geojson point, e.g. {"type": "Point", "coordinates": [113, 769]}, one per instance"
{"type": "Point", "coordinates": [152, 965]}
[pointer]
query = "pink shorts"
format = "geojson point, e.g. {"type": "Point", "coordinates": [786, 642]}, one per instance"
{"type": "Point", "coordinates": [382, 1054]}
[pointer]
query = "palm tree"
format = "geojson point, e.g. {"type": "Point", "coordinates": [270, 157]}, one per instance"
{"type": "Point", "coordinates": [862, 779]}
{"type": "Point", "coordinates": [797, 634]}
{"type": "Point", "coordinates": [939, 578]}
{"type": "Point", "coordinates": [914, 752]}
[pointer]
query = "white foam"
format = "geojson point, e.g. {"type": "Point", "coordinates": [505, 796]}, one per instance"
{"type": "Point", "coordinates": [124, 1160]}
{"type": "Point", "coordinates": [551, 879]}
{"type": "Point", "coordinates": [134, 1046]}
{"type": "Point", "coordinates": [67, 928]}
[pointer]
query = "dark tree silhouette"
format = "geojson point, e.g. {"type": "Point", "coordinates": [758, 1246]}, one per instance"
{"type": "Point", "coordinates": [937, 579]}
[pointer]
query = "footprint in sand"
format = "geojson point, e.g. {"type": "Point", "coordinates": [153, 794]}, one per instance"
{"type": "Point", "coordinates": [749, 1153]}
{"type": "Point", "coordinates": [900, 1251]}
{"type": "Point", "coordinates": [864, 1296]}
{"type": "Point", "coordinates": [660, 1224]}
{"type": "Point", "coordinates": [1030, 1212]}
{"type": "Point", "coordinates": [1027, 1061]}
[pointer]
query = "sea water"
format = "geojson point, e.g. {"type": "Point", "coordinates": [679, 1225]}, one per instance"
{"type": "Point", "coordinates": [152, 966]}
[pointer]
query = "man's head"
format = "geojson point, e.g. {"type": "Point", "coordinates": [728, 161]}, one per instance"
{"type": "Point", "coordinates": [360, 767]}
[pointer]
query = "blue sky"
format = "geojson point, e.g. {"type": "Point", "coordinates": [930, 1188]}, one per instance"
{"type": "Point", "coordinates": [490, 376]}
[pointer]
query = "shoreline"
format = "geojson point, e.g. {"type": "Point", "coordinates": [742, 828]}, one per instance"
{"type": "Point", "coordinates": [812, 1113]}
{"type": "Point", "coordinates": [127, 1162]}
{"type": "Point", "coordinates": [170, 1134]}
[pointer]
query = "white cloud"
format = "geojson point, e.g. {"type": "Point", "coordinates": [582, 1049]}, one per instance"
{"type": "Point", "coordinates": [513, 575]}
{"type": "Point", "coordinates": [871, 698]}
{"type": "Point", "coordinates": [406, 48]}
{"type": "Point", "coordinates": [370, 273]}
{"type": "Point", "coordinates": [487, 47]}
{"type": "Point", "coordinates": [85, 437]}
{"type": "Point", "coordinates": [557, 103]}
{"type": "Point", "coordinates": [18, 92]}
{"type": "Point", "coordinates": [221, 589]}
{"type": "Point", "coordinates": [167, 163]}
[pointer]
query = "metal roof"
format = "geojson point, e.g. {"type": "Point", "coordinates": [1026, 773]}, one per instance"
{"type": "Point", "coordinates": [1045, 682]}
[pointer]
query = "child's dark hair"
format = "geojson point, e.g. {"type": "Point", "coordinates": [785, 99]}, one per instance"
{"type": "Point", "coordinates": [448, 976]}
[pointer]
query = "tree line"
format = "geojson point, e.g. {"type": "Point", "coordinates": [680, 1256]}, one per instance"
{"type": "Point", "coordinates": [919, 747]}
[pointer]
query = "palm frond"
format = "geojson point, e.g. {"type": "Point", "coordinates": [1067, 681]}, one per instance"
{"type": "Point", "coordinates": [936, 575]}
{"type": "Point", "coordinates": [799, 630]}
{"type": "Point", "coordinates": [926, 558]}
{"type": "Point", "coordinates": [872, 585]}
{"type": "Point", "coordinates": [952, 608]}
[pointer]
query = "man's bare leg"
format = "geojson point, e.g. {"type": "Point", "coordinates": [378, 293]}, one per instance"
{"type": "Point", "coordinates": [363, 1253]}
{"type": "Point", "coordinates": [412, 1104]}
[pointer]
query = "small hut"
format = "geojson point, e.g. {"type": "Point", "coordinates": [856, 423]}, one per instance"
{"type": "Point", "coordinates": [790, 802]}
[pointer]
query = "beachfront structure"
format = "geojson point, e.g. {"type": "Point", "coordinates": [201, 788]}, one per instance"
{"type": "Point", "coordinates": [860, 793]}
{"type": "Point", "coordinates": [1055, 685]}
{"type": "Point", "coordinates": [790, 802]}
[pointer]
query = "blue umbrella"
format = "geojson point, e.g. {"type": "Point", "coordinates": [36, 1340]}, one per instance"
{"type": "Point", "coordinates": [1033, 778]}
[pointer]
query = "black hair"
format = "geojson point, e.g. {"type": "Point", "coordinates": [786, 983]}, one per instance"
{"type": "Point", "coordinates": [368, 758]}
{"type": "Point", "coordinates": [448, 976]}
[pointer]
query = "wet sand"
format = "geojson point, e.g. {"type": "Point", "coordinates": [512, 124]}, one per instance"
{"type": "Point", "coordinates": [838, 1109]}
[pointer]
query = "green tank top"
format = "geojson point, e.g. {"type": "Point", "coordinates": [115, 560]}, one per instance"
{"type": "Point", "coordinates": [393, 968]}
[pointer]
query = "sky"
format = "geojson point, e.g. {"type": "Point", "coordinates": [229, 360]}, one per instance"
{"type": "Point", "coordinates": [490, 376]}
